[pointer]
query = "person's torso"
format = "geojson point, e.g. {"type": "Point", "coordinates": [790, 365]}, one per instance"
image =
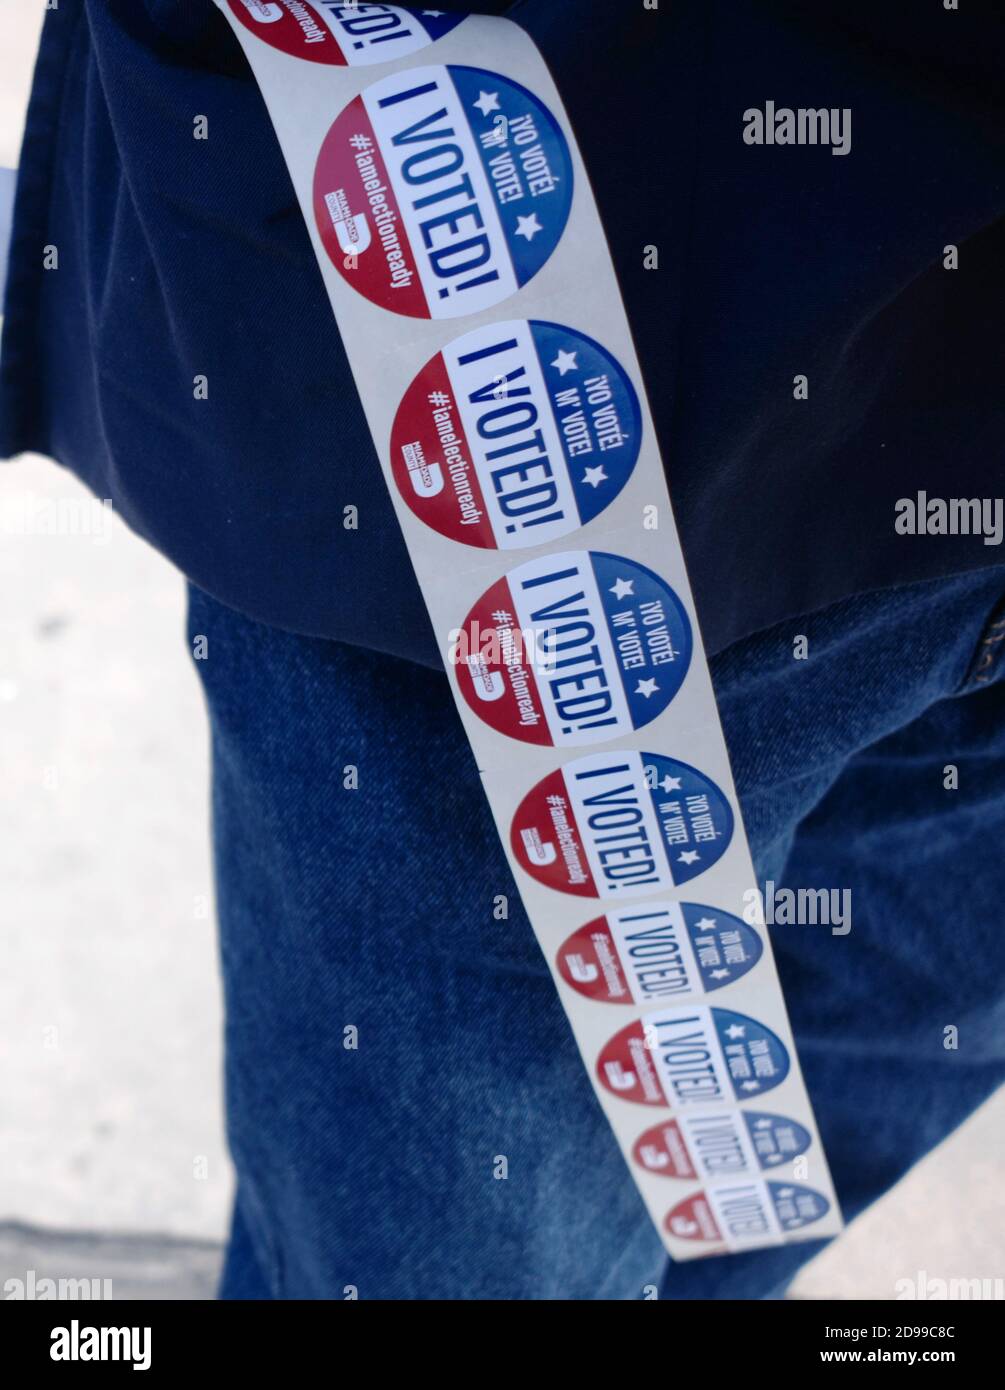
{"type": "Point", "coordinates": [185, 260]}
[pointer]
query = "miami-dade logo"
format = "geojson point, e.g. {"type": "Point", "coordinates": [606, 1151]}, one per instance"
{"type": "Point", "coordinates": [658, 953]}
{"type": "Point", "coordinates": [620, 825]}
{"type": "Point", "coordinates": [691, 1058]}
{"type": "Point", "coordinates": [342, 35]}
{"type": "Point", "coordinates": [439, 191]}
{"type": "Point", "coordinates": [719, 1144]}
{"type": "Point", "coordinates": [575, 648]}
{"type": "Point", "coordinates": [515, 434]}
{"type": "Point", "coordinates": [746, 1215]}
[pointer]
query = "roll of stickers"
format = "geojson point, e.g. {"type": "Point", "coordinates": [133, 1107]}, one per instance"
{"type": "Point", "coordinates": [473, 288]}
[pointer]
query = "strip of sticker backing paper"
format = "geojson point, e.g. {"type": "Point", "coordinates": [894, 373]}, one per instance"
{"type": "Point", "coordinates": [474, 291]}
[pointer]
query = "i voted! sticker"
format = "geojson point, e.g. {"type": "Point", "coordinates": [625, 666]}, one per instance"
{"type": "Point", "coordinates": [746, 1215]}
{"type": "Point", "coordinates": [515, 435]}
{"type": "Point", "coordinates": [621, 824]}
{"type": "Point", "coordinates": [720, 1144]}
{"type": "Point", "coordinates": [574, 648]}
{"type": "Point", "coordinates": [692, 1057]}
{"type": "Point", "coordinates": [343, 35]}
{"type": "Point", "coordinates": [439, 191]}
{"type": "Point", "coordinates": [658, 953]}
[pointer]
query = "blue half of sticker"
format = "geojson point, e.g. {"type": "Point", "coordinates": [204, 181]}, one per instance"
{"type": "Point", "coordinates": [526, 162]}
{"type": "Point", "coordinates": [596, 412]}
{"type": "Point", "coordinates": [724, 947]}
{"type": "Point", "coordinates": [649, 632]}
{"type": "Point", "coordinates": [755, 1059]}
{"type": "Point", "coordinates": [695, 819]}
{"type": "Point", "coordinates": [776, 1139]}
{"type": "Point", "coordinates": [797, 1206]}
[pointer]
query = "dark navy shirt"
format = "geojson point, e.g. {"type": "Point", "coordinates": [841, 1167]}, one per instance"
{"type": "Point", "coordinates": [180, 257]}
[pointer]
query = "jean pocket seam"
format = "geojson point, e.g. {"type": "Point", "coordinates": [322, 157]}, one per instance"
{"type": "Point", "coordinates": [986, 663]}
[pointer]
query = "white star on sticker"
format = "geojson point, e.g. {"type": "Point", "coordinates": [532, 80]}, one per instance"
{"type": "Point", "coordinates": [736, 1031]}
{"type": "Point", "coordinates": [773, 1158]}
{"type": "Point", "coordinates": [595, 476]}
{"type": "Point", "coordinates": [689, 856]}
{"type": "Point", "coordinates": [622, 588]}
{"type": "Point", "coordinates": [487, 101]}
{"type": "Point", "coordinates": [565, 362]}
{"type": "Point", "coordinates": [528, 227]}
{"type": "Point", "coordinates": [763, 1124]}
{"type": "Point", "coordinates": [751, 1085]}
{"type": "Point", "coordinates": [720, 974]}
{"type": "Point", "coordinates": [786, 1192]}
{"type": "Point", "coordinates": [706, 923]}
{"type": "Point", "coordinates": [433, 14]}
{"type": "Point", "coordinates": [671, 784]}
{"type": "Point", "coordinates": [646, 688]}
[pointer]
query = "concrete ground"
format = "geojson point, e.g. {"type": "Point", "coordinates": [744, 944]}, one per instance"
{"type": "Point", "coordinates": [112, 1158]}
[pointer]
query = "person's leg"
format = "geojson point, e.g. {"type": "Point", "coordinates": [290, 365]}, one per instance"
{"type": "Point", "coordinates": [922, 864]}
{"type": "Point", "coordinates": [242, 1276]}
{"type": "Point", "coordinates": [373, 1167]}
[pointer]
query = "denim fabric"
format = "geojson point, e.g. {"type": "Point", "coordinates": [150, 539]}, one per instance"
{"type": "Point", "coordinates": [373, 1167]}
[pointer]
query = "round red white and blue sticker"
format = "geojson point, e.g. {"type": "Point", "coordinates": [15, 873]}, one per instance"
{"type": "Point", "coordinates": [658, 953]}
{"type": "Point", "coordinates": [574, 648]}
{"type": "Point", "coordinates": [692, 1057]}
{"type": "Point", "coordinates": [746, 1215]}
{"type": "Point", "coordinates": [621, 825]}
{"type": "Point", "coordinates": [343, 35]}
{"type": "Point", "coordinates": [515, 435]}
{"type": "Point", "coordinates": [439, 191]}
{"type": "Point", "coordinates": [720, 1144]}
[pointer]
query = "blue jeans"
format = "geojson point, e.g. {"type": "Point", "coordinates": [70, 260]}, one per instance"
{"type": "Point", "coordinates": [372, 1167]}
